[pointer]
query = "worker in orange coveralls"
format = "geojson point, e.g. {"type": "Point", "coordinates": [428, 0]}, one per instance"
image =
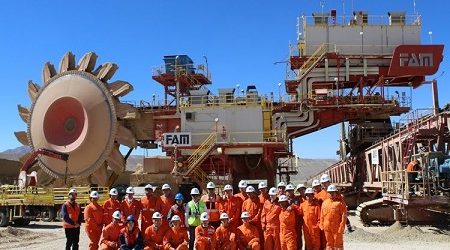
{"type": "Point", "coordinates": [130, 237]}
{"type": "Point", "coordinates": [225, 237]}
{"type": "Point", "coordinates": [253, 207]}
{"type": "Point", "coordinates": [247, 234]}
{"type": "Point", "coordinates": [71, 218]}
{"type": "Point", "coordinates": [263, 194]}
{"type": "Point", "coordinates": [333, 218]}
{"type": "Point", "coordinates": [149, 205]}
{"type": "Point", "coordinates": [281, 188]}
{"type": "Point", "coordinates": [232, 207]}
{"type": "Point", "coordinates": [205, 234]}
{"type": "Point", "coordinates": [167, 201]}
{"type": "Point", "coordinates": [93, 216]}
{"type": "Point", "coordinates": [319, 194]}
{"type": "Point", "coordinates": [176, 237]}
{"type": "Point", "coordinates": [212, 202]}
{"type": "Point", "coordinates": [310, 210]}
{"type": "Point", "coordinates": [270, 221]}
{"type": "Point", "coordinates": [154, 234]}
{"type": "Point", "coordinates": [288, 232]}
{"type": "Point", "coordinates": [110, 206]}
{"type": "Point", "coordinates": [110, 235]}
{"type": "Point", "coordinates": [242, 195]}
{"type": "Point", "coordinates": [130, 205]}
{"type": "Point", "coordinates": [294, 200]}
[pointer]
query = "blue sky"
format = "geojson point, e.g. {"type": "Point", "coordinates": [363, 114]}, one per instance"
{"type": "Point", "coordinates": [241, 39]}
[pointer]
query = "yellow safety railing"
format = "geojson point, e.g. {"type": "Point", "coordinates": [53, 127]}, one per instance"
{"type": "Point", "coordinates": [312, 61]}
{"type": "Point", "coordinates": [201, 152]}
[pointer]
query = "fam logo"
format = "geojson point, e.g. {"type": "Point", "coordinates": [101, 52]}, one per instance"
{"type": "Point", "coordinates": [177, 139]}
{"type": "Point", "coordinates": [416, 60]}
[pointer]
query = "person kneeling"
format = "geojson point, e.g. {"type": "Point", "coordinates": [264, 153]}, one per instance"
{"type": "Point", "coordinates": [130, 237]}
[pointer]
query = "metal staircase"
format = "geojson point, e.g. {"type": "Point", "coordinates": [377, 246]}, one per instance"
{"type": "Point", "coordinates": [313, 61]}
{"type": "Point", "coordinates": [197, 157]}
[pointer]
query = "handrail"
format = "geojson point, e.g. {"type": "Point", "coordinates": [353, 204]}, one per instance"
{"type": "Point", "coordinates": [199, 154]}
{"type": "Point", "coordinates": [321, 50]}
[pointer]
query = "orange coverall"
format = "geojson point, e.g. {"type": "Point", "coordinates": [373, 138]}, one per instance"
{"type": "Point", "coordinates": [253, 207]}
{"type": "Point", "coordinates": [288, 232]}
{"type": "Point", "coordinates": [322, 195]}
{"type": "Point", "coordinates": [212, 208]}
{"type": "Point", "coordinates": [248, 237]}
{"type": "Point", "coordinates": [332, 221]}
{"type": "Point", "coordinates": [93, 216]}
{"type": "Point", "coordinates": [150, 205]}
{"type": "Point", "coordinates": [270, 222]}
{"type": "Point", "coordinates": [132, 207]}
{"type": "Point", "coordinates": [176, 238]}
{"type": "Point", "coordinates": [153, 238]}
{"type": "Point", "coordinates": [310, 210]}
{"type": "Point", "coordinates": [232, 207]}
{"type": "Point", "coordinates": [166, 203]}
{"type": "Point", "coordinates": [205, 237]}
{"type": "Point", "coordinates": [225, 238]}
{"type": "Point", "coordinates": [110, 239]}
{"type": "Point", "coordinates": [109, 208]}
{"type": "Point", "coordinates": [263, 198]}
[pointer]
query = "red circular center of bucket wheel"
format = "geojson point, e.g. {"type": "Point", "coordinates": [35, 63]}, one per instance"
{"type": "Point", "coordinates": [65, 123]}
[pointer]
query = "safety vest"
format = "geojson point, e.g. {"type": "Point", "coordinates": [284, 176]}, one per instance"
{"type": "Point", "coordinates": [73, 212]}
{"type": "Point", "coordinates": [194, 212]}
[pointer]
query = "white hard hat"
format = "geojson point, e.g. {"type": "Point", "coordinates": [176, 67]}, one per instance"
{"type": "Point", "coordinates": [210, 185]}
{"type": "Point", "coordinates": [309, 191]}
{"type": "Point", "coordinates": [332, 188]}
{"type": "Point", "coordinates": [156, 215]}
{"type": "Point", "coordinates": [116, 215]}
{"type": "Point", "coordinates": [224, 216]}
{"type": "Point", "coordinates": [245, 214]}
{"type": "Point", "coordinates": [175, 217]}
{"type": "Point", "coordinates": [262, 185]}
{"type": "Point", "coordinates": [227, 187]}
{"type": "Point", "coordinates": [250, 189]}
{"type": "Point", "coordinates": [148, 186]}
{"type": "Point", "coordinates": [195, 191]}
{"type": "Point", "coordinates": [282, 198]}
{"type": "Point", "coordinates": [243, 184]}
{"type": "Point", "coordinates": [165, 186]}
{"type": "Point", "coordinates": [113, 191]}
{"type": "Point", "coordinates": [324, 178]}
{"type": "Point", "coordinates": [273, 191]}
{"type": "Point", "coordinates": [290, 187]}
{"type": "Point", "coordinates": [204, 216]}
{"type": "Point", "coordinates": [130, 190]}
{"type": "Point", "coordinates": [315, 183]}
{"type": "Point", "coordinates": [94, 194]}
{"type": "Point", "coordinates": [281, 184]}
{"type": "Point", "coordinates": [73, 190]}
{"type": "Point", "coordinates": [299, 186]}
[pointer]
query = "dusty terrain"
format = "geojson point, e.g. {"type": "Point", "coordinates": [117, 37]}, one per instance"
{"type": "Point", "coordinates": [50, 235]}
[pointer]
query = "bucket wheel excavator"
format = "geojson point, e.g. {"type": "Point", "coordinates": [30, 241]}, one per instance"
{"type": "Point", "coordinates": [76, 111]}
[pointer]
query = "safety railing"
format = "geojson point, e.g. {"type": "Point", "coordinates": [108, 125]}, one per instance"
{"type": "Point", "coordinates": [312, 61]}
{"type": "Point", "coordinates": [61, 194]}
{"type": "Point", "coordinates": [200, 153]}
{"type": "Point", "coordinates": [402, 184]}
{"type": "Point", "coordinates": [324, 19]}
{"type": "Point", "coordinates": [14, 195]}
{"type": "Point", "coordinates": [198, 102]}
{"type": "Point", "coordinates": [183, 69]}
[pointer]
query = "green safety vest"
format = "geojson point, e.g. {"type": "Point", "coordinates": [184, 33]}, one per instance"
{"type": "Point", "coordinates": [195, 210]}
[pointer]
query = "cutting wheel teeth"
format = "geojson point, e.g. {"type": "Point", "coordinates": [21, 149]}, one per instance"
{"type": "Point", "coordinates": [86, 68]}
{"type": "Point", "coordinates": [67, 63]}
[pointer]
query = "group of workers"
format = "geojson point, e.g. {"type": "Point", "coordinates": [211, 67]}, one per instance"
{"type": "Point", "coordinates": [285, 217]}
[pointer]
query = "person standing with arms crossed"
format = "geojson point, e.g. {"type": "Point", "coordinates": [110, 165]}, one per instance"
{"type": "Point", "coordinates": [72, 218]}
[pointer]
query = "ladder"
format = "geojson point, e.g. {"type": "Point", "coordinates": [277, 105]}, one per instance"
{"type": "Point", "coordinates": [313, 61]}
{"type": "Point", "coordinates": [411, 140]}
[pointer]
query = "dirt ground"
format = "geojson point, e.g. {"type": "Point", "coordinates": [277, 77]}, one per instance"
{"type": "Point", "coordinates": [50, 235]}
